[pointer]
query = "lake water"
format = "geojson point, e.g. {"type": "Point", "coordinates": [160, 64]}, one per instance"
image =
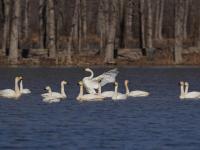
{"type": "Point", "coordinates": [158, 122]}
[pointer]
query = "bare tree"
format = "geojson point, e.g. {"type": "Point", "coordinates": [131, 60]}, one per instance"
{"type": "Point", "coordinates": [128, 22]}
{"type": "Point", "coordinates": [42, 27]}
{"type": "Point", "coordinates": [5, 42]}
{"type": "Point", "coordinates": [14, 35]}
{"type": "Point", "coordinates": [179, 15]}
{"type": "Point", "coordinates": [159, 19]}
{"type": "Point", "coordinates": [103, 24]}
{"type": "Point", "coordinates": [84, 18]}
{"type": "Point", "coordinates": [142, 24]}
{"type": "Point", "coordinates": [72, 30]}
{"type": "Point", "coordinates": [26, 19]}
{"type": "Point", "coordinates": [149, 36]}
{"type": "Point", "coordinates": [110, 46]}
{"type": "Point", "coordinates": [51, 31]}
{"type": "Point", "coordinates": [186, 10]}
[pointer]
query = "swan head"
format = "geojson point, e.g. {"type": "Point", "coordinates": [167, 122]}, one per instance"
{"type": "Point", "coordinates": [186, 84]}
{"type": "Point", "coordinates": [181, 83]}
{"type": "Point", "coordinates": [18, 78]}
{"type": "Point", "coordinates": [87, 69]}
{"type": "Point", "coordinates": [47, 88]}
{"type": "Point", "coordinates": [64, 82]}
{"type": "Point", "coordinates": [126, 81]}
{"type": "Point", "coordinates": [80, 83]}
{"type": "Point", "coordinates": [116, 84]}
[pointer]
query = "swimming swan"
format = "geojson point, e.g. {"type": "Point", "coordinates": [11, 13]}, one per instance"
{"type": "Point", "coordinates": [58, 95]}
{"type": "Point", "coordinates": [91, 83]}
{"type": "Point", "coordinates": [88, 97]}
{"type": "Point", "coordinates": [50, 98]}
{"type": "Point", "coordinates": [188, 95]}
{"type": "Point", "coordinates": [22, 90]}
{"type": "Point", "coordinates": [105, 94]}
{"type": "Point", "coordinates": [136, 93]}
{"type": "Point", "coordinates": [9, 93]}
{"type": "Point", "coordinates": [118, 96]}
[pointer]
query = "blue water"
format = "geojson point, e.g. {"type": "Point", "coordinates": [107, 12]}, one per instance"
{"type": "Point", "coordinates": [158, 122]}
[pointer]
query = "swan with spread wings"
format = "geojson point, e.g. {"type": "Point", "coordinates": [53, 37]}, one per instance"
{"type": "Point", "coordinates": [91, 83]}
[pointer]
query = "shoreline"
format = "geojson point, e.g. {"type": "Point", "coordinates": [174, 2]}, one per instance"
{"type": "Point", "coordinates": [99, 66]}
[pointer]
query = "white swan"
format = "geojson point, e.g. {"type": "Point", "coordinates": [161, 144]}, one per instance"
{"type": "Point", "coordinates": [118, 96]}
{"type": "Point", "coordinates": [88, 97]}
{"type": "Point", "coordinates": [91, 83]}
{"type": "Point", "coordinates": [49, 98]}
{"type": "Point", "coordinates": [188, 95]}
{"type": "Point", "coordinates": [136, 93]}
{"type": "Point", "coordinates": [9, 93]}
{"type": "Point", "coordinates": [58, 95]}
{"type": "Point", "coordinates": [22, 90]}
{"type": "Point", "coordinates": [105, 94]}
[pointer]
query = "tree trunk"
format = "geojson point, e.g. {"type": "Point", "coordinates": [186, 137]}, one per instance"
{"type": "Point", "coordinates": [84, 18]}
{"type": "Point", "coordinates": [42, 21]}
{"type": "Point", "coordinates": [149, 42]}
{"type": "Point", "coordinates": [6, 25]}
{"type": "Point", "coordinates": [159, 19]}
{"type": "Point", "coordinates": [76, 25]}
{"type": "Point", "coordinates": [26, 22]}
{"type": "Point", "coordinates": [101, 25]}
{"type": "Point", "coordinates": [179, 15]}
{"type": "Point", "coordinates": [128, 22]}
{"type": "Point", "coordinates": [79, 28]}
{"type": "Point", "coordinates": [198, 36]}
{"type": "Point", "coordinates": [186, 10]}
{"type": "Point", "coordinates": [109, 54]}
{"type": "Point", "coordinates": [142, 25]}
{"type": "Point", "coordinates": [14, 35]}
{"type": "Point", "coordinates": [51, 30]}
{"type": "Point", "coordinates": [73, 29]}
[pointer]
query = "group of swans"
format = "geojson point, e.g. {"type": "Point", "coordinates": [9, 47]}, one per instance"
{"type": "Point", "coordinates": [51, 97]}
{"type": "Point", "coordinates": [17, 92]}
{"type": "Point", "coordinates": [184, 87]}
{"type": "Point", "coordinates": [92, 84]}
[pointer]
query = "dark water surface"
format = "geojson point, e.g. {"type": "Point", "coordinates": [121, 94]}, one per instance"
{"type": "Point", "coordinates": [158, 122]}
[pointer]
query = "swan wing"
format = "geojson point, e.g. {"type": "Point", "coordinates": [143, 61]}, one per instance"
{"type": "Point", "coordinates": [91, 97]}
{"type": "Point", "coordinates": [138, 93]}
{"type": "Point", "coordinates": [119, 96]}
{"type": "Point", "coordinates": [7, 91]}
{"type": "Point", "coordinates": [51, 100]}
{"type": "Point", "coordinates": [194, 95]}
{"type": "Point", "coordinates": [26, 91]}
{"type": "Point", "coordinates": [108, 93]}
{"type": "Point", "coordinates": [90, 85]}
{"type": "Point", "coordinates": [45, 94]}
{"type": "Point", "coordinates": [53, 95]}
{"type": "Point", "coordinates": [107, 77]}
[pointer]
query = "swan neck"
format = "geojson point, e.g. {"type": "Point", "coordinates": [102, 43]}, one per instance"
{"type": "Point", "coordinates": [127, 88]}
{"type": "Point", "coordinates": [63, 89]}
{"type": "Point", "coordinates": [182, 91]}
{"type": "Point", "coordinates": [81, 91]}
{"type": "Point", "coordinates": [50, 91]}
{"type": "Point", "coordinates": [92, 73]}
{"type": "Point", "coordinates": [99, 89]}
{"type": "Point", "coordinates": [116, 90]}
{"type": "Point", "coordinates": [16, 86]}
{"type": "Point", "coordinates": [186, 89]}
{"type": "Point", "coordinates": [21, 86]}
